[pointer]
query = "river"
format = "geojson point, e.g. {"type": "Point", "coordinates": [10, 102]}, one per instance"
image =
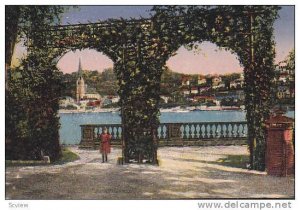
{"type": "Point", "coordinates": [70, 122]}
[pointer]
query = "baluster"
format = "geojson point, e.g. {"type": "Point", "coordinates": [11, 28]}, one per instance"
{"type": "Point", "coordinates": [227, 130]}
{"type": "Point", "coordinates": [211, 131]}
{"type": "Point", "coordinates": [116, 132]}
{"type": "Point", "coordinates": [113, 134]}
{"type": "Point", "coordinates": [222, 131]}
{"type": "Point", "coordinates": [243, 130]}
{"type": "Point", "coordinates": [200, 131]}
{"type": "Point", "coordinates": [190, 131]}
{"type": "Point", "coordinates": [158, 131]}
{"type": "Point", "coordinates": [238, 130]}
{"type": "Point", "coordinates": [205, 131]}
{"type": "Point", "coordinates": [232, 130]}
{"type": "Point", "coordinates": [111, 131]}
{"type": "Point", "coordinates": [195, 131]}
{"type": "Point", "coordinates": [217, 130]}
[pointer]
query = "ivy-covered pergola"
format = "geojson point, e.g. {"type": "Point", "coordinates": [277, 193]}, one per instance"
{"type": "Point", "coordinates": [140, 48]}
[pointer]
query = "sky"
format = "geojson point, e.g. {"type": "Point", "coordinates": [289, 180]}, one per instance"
{"type": "Point", "coordinates": [210, 60]}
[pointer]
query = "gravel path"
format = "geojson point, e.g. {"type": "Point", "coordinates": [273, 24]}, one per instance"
{"type": "Point", "coordinates": [184, 172]}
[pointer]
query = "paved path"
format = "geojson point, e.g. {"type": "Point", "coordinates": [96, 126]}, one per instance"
{"type": "Point", "coordinates": [187, 172]}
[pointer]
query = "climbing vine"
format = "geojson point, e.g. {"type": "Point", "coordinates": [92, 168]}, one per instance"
{"type": "Point", "coordinates": [140, 49]}
{"type": "Point", "coordinates": [244, 30]}
{"type": "Point", "coordinates": [33, 88]}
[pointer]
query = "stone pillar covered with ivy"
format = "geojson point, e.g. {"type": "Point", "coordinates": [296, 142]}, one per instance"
{"type": "Point", "coordinates": [259, 73]}
{"type": "Point", "coordinates": [138, 72]}
{"type": "Point", "coordinates": [244, 30]}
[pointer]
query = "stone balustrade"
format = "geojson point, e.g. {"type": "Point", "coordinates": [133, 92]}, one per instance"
{"type": "Point", "coordinates": [176, 134]}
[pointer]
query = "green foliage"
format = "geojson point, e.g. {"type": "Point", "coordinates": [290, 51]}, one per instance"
{"type": "Point", "coordinates": [290, 61]}
{"type": "Point", "coordinates": [34, 107]}
{"type": "Point", "coordinates": [227, 26]}
{"type": "Point", "coordinates": [236, 161]}
{"type": "Point", "coordinates": [67, 156]}
{"type": "Point", "coordinates": [140, 49]}
{"type": "Point", "coordinates": [34, 88]}
{"type": "Point", "coordinates": [230, 77]}
{"type": "Point", "coordinates": [19, 21]}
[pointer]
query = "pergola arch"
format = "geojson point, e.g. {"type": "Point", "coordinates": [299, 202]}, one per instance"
{"type": "Point", "coordinates": [140, 48]}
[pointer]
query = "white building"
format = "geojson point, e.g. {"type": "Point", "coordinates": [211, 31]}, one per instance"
{"type": "Point", "coordinates": [94, 96]}
{"type": "Point", "coordinates": [220, 85]}
{"type": "Point", "coordinates": [238, 83]}
{"type": "Point", "coordinates": [185, 91]}
{"type": "Point", "coordinates": [115, 99]}
{"type": "Point", "coordinates": [67, 101]}
{"type": "Point", "coordinates": [194, 90]}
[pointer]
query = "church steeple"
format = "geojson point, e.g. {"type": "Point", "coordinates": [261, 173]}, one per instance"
{"type": "Point", "coordinates": [80, 86]}
{"type": "Point", "coordinates": [80, 72]}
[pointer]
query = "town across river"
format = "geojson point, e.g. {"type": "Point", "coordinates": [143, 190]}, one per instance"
{"type": "Point", "coordinates": [70, 132]}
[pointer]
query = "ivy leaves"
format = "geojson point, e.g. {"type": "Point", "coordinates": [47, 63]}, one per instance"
{"type": "Point", "coordinates": [140, 49]}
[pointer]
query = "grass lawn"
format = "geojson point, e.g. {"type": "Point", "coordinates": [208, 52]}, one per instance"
{"type": "Point", "coordinates": [67, 156]}
{"type": "Point", "coordinates": [236, 161]}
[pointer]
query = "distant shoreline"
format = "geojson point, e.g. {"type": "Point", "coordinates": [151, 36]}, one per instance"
{"type": "Point", "coordinates": [64, 111]}
{"type": "Point", "coordinates": [177, 109]}
{"type": "Point", "coordinates": [174, 109]}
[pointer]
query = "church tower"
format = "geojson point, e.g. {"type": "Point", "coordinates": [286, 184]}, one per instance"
{"type": "Point", "coordinates": [80, 87]}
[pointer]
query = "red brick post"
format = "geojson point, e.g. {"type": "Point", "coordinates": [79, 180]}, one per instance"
{"type": "Point", "coordinates": [280, 149]}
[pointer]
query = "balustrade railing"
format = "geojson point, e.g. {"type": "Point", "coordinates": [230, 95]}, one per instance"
{"type": "Point", "coordinates": [204, 130]}
{"type": "Point", "coordinates": [173, 133]}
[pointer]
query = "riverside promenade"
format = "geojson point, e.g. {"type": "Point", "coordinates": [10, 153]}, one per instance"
{"type": "Point", "coordinates": [183, 173]}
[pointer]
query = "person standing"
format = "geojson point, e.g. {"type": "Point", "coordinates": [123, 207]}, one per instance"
{"type": "Point", "coordinates": [105, 138]}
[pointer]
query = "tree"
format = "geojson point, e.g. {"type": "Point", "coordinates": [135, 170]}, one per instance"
{"type": "Point", "coordinates": [34, 88]}
{"type": "Point", "coordinates": [12, 14]}
{"type": "Point", "coordinates": [20, 19]}
{"type": "Point", "coordinates": [290, 61]}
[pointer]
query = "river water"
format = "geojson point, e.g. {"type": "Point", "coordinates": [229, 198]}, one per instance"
{"type": "Point", "coordinates": [70, 122]}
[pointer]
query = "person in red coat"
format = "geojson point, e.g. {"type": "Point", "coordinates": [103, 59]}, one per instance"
{"type": "Point", "coordinates": [105, 138]}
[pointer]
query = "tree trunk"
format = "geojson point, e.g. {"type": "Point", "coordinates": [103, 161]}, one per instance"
{"type": "Point", "coordinates": [12, 14]}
